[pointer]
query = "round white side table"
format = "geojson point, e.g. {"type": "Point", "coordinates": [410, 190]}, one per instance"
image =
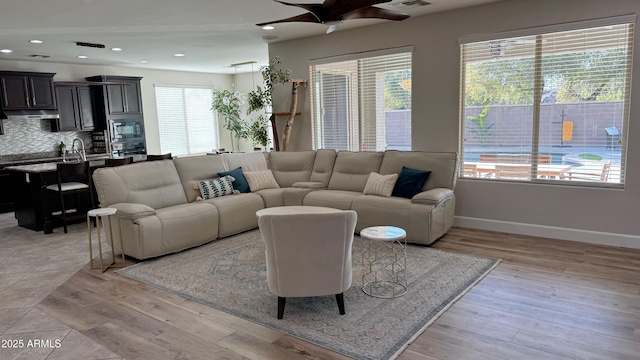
{"type": "Point", "coordinates": [384, 262]}
{"type": "Point", "coordinates": [100, 214]}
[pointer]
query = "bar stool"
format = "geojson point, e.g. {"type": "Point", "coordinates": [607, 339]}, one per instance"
{"type": "Point", "coordinates": [100, 214]}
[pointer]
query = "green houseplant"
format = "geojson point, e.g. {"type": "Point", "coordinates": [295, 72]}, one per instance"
{"type": "Point", "coordinates": [260, 99]}
{"type": "Point", "coordinates": [482, 128]}
{"type": "Point", "coordinates": [227, 105]}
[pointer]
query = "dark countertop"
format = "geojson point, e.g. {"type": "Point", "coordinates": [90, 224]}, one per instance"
{"type": "Point", "coordinates": [48, 166]}
{"type": "Point", "coordinates": [26, 159]}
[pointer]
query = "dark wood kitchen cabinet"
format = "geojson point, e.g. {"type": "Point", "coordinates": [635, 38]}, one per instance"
{"type": "Point", "coordinates": [6, 197]}
{"type": "Point", "coordinates": [25, 90]}
{"type": "Point", "coordinates": [75, 105]}
{"type": "Point", "coordinates": [123, 99]}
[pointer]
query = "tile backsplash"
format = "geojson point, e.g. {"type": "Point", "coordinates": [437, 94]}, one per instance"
{"type": "Point", "coordinates": [26, 136]}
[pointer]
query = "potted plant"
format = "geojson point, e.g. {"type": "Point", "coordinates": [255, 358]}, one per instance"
{"type": "Point", "coordinates": [227, 104]}
{"type": "Point", "coordinates": [260, 99]}
{"type": "Point", "coordinates": [257, 131]}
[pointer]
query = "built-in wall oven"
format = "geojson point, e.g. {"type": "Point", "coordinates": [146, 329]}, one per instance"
{"type": "Point", "coordinates": [127, 137]}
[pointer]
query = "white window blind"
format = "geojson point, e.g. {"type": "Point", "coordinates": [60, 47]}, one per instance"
{"type": "Point", "coordinates": [185, 120]}
{"type": "Point", "coordinates": [553, 105]}
{"type": "Point", "coordinates": [363, 103]}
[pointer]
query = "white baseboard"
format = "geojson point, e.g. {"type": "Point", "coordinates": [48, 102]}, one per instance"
{"type": "Point", "coordinates": [593, 237]}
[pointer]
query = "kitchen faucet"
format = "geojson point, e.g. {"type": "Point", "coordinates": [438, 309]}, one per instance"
{"type": "Point", "coordinates": [81, 153]}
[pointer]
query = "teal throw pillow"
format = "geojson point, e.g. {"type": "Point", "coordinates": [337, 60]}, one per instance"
{"type": "Point", "coordinates": [410, 182]}
{"type": "Point", "coordinates": [241, 183]}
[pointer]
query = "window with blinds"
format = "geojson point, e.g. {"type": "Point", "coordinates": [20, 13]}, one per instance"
{"type": "Point", "coordinates": [363, 102]}
{"type": "Point", "coordinates": [550, 104]}
{"type": "Point", "coordinates": [185, 120]}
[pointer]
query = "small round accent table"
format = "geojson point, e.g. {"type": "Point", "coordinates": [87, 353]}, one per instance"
{"type": "Point", "coordinates": [384, 262]}
{"type": "Point", "coordinates": [100, 214]}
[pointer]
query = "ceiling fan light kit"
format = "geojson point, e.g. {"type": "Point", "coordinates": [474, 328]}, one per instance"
{"type": "Point", "coordinates": [333, 12]}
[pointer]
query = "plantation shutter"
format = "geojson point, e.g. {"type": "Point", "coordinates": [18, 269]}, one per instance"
{"type": "Point", "coordinates": [362, 102]}
{"type": "Point", "coordinates": [185, 120]}
{"type": "Point", "coordinates": [557, 96]}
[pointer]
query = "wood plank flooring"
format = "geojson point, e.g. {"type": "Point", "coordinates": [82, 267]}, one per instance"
{"type": "Point", "coordinates": [548, 299]}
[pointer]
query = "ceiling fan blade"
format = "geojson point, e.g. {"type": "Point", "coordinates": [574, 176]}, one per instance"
{"type": "Point", "coordinates": [308, 17]}
{"type": "Point", "coordinates": [372, 12]}
{"type": "Point", "coordinates": [333, 27]}
{"type": "Point", "coordinates": [341, 7]}
{"type": "Point", "coordinates": [316, 9]}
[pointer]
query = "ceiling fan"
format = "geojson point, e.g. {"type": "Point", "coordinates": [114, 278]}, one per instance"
{"type": "Point", "coordinates": [334, 12]}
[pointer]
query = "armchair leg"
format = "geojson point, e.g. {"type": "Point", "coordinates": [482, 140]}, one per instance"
{"type": "Point", "coordinates": [340, 300]}
{"type": "Point", "coordinates": [281, 302]}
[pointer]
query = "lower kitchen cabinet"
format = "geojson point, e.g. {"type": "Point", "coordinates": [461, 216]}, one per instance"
{"type": "Point", "coordinates": [6, 196]}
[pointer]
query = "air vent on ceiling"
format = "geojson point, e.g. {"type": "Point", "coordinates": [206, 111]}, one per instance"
{"type": "Point", "coordinates": [39, 56]}
{"type": "Point", "coordinates": [91, 45]}
{"type": "Point", "coordinates": [410, 3]}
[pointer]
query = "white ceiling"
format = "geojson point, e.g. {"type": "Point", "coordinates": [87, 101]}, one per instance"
{"type": "Point", "coordinates": [213, 34]}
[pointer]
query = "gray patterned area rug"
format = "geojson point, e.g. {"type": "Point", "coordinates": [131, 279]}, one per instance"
{"type": "Point", "coordinates": [230, 275]}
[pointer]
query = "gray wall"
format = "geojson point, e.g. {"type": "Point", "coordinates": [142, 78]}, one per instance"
{"type": "Point", "coordinates": [435, 110]}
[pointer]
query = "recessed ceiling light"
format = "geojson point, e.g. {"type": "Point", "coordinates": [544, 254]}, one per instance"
{"type": "Point", "coordinates": [268, 27]}
{"type": "Point", "coordinates": [6, 51]}
{"type": "Point", "coordinates": [36, 41]}
{"type": "Point", "coordinates": [116, 49]}
{"type": "Point", "coordinates": [144, 61]}
{"type": "Point", "coordinates": [178, 55]}
{"type": "Point", "coordinates": [82, 56]}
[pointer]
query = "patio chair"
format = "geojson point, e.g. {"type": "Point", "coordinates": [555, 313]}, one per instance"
{"type": "Point", "coordinates": [590, 174]}
{"type": "Point", "coordinates": [513, 171]}
{"type": "Point", "coordinates": [471, 170]}
{"type": "Point", "coordinates": [544, 159]}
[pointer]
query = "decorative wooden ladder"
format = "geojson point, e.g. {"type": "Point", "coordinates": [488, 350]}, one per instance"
{"type": "Point", "coordinates": [286, 135]}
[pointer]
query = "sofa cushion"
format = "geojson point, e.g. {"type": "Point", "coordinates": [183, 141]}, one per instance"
{"type": "Point", "coordinates": [291, 167]}
{"type": "Point", "coordinates": [253, 161]}
{"type": "Point", "coordinates": [174, 228]}
{"type": "Point", "coordinates": [240, 183]}
{"type": "Point", "coordinates": [217, 187]}
{"type": "Point", "coordinates": [381, 185]}
{"type": "Point", "coordinates": [323, 166]}
{"type": "Point", "coordinates": [237, 213]}
{"type": "Point", "coordinates": [351, 170]}
{"type": "Point", "coordinates": [337, 199]}
{"type": "Point", "coordinates": [152, 183]}
{"type": "Point", "coordinates": [259, 180]}
{"type": "Point", "coordinates": [192, 169]}
{"type": "Point", "coordinates": [443, 166]}
{"type": "Point", "coordinates": [410, 182]}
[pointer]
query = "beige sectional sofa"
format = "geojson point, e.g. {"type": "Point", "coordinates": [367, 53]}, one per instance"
{"type": "Point", "coordinates": [161, 212]}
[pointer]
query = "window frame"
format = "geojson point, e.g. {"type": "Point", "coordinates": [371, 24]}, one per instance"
{"type": "Point", "coordinates": [214, 118]}
{"type": "Point", "coordinates": [359, 123]}
{"type": "Point", "coordinates": [538, 86]}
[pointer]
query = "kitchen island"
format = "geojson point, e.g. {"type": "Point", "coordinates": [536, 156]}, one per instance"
{"type": "Point", "coordinates": [27, 183]}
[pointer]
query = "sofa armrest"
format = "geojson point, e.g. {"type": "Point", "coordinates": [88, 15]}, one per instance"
{"type": "Point", "coordinates": [315, 185]}
{"type": "Point", "coordinates": [432, 196]}
{"type": "Point", "coordinates": [133, 211]}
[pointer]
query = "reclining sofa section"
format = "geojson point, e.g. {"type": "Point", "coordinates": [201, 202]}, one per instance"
{"type": "Point", "coordinates": [161, 212]}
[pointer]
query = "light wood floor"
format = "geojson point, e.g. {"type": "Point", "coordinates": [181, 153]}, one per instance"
{"type": "Point", "coordinates": [548, 299]}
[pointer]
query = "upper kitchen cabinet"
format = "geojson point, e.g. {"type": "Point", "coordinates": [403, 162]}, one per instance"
{"type": "Point", "coordinates": [123, 99]}
{"type": "Point", "coordinates": [75, 105]}
{"type": "Point", "coordinates": [25, 90]}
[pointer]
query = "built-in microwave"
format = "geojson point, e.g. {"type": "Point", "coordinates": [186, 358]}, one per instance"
{"type": "Point", "coordinates": [126, 129]}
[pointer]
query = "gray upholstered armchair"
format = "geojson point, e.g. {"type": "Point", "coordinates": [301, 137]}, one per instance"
{"type": "Point", "coordinates": [308, 254]}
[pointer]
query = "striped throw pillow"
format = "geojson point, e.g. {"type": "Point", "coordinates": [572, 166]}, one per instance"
{"type": "Point", "coordinates": [259, 180]}
{"type": "Point", "coordinates": [380, 184]}
{"type": "Point", "coordinates": [214, 188]}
